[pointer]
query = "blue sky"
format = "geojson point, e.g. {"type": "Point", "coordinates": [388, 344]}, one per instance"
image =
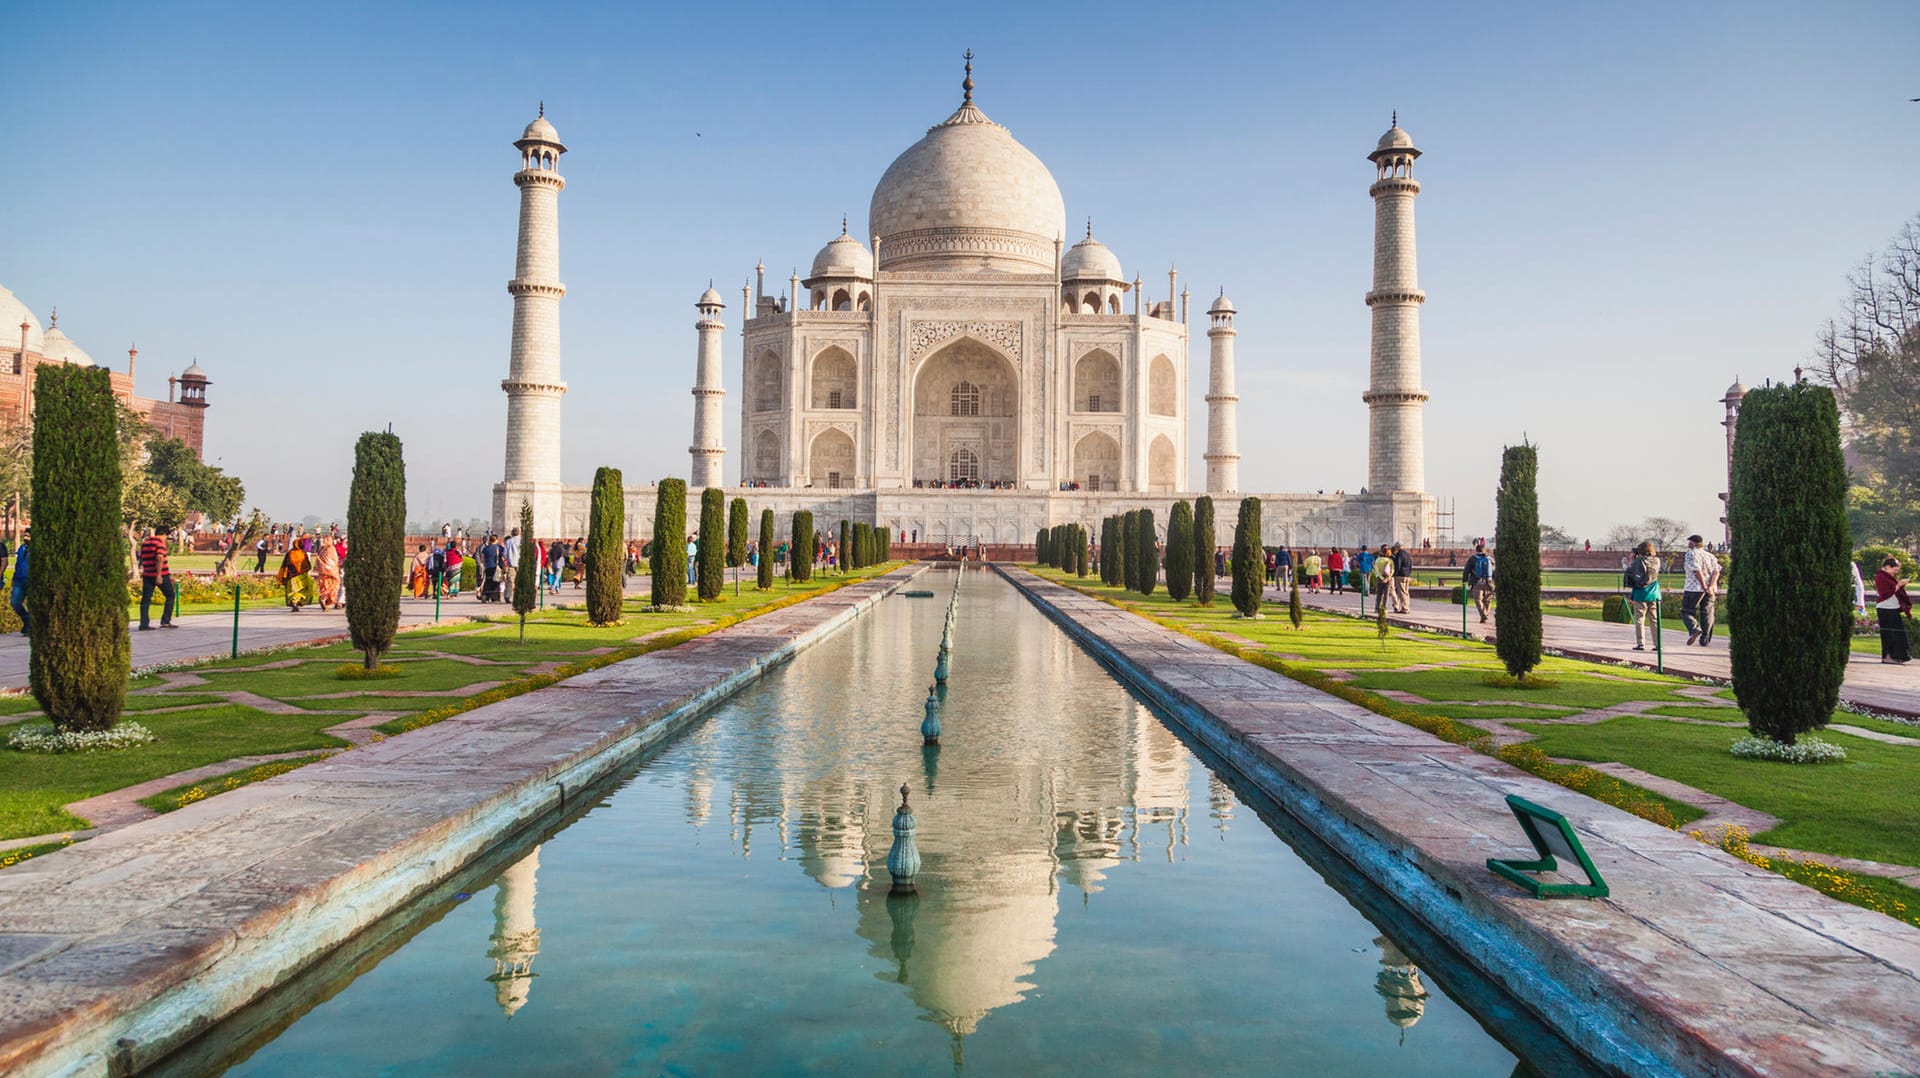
{"type": "Point", "coordinates": [1624, 207]}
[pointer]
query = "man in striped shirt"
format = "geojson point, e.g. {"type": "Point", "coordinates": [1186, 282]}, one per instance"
{"type": "Point", "coordinates": [154, 573]}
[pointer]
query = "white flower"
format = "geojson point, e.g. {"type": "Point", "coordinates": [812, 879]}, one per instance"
{"type": "Point", "coordinates": [1807, 750]}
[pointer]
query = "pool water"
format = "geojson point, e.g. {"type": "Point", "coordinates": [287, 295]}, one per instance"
{"type": "Point", "coordinates": [1092, 900]}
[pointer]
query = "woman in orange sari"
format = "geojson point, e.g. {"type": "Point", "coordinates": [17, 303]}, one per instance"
{"type": "Point", "coordinates": [293, 575]}
{"type": "Point", "coordinates": [326, 572]}
{"type": "Point", "coordinates": [417, 577]}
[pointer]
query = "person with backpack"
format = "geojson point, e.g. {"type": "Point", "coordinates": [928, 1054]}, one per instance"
{"type": "Point", "coordinates": [1643, 578]}
{"type": "Point", "coordinates": [1697, 594]}
{"type": "Point", "coordinates": [1402, 580]}
{"type": "Point", "coordinates": [1891, 605]}
{"type": "Point", "coordinates": [1478, 579]}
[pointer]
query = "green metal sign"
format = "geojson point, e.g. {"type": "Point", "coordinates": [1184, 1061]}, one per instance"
{"type": "Point", "coordinates": [1552, 837]}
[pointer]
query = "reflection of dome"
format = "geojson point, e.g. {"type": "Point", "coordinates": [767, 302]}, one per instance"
{"type": "Point", "coordinates": [12, 313]}
{"type": "Point", "coordinates": [58, 346]}
{"type": "Point", "coordinates": [843, 257]}
{"type": "Point", "coordinates": [967, 197]}
{"type": "Point", "coordinates": [1090, 260]}
{"type": "Point", "coordinates": [1398, 984]}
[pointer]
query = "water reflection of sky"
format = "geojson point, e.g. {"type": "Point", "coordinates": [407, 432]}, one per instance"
{"type": "Point", "coordinates": [726, 910]}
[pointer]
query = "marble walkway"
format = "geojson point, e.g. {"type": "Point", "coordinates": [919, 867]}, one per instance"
{"type": "Point", "coordinates": [116, 951]}
{"type": "Point", "coordinates": [1697, 963]}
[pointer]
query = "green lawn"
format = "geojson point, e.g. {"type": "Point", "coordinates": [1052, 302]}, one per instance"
{"type": "Point", "coordinates": [1865, 645]}
{"type": "Point", "coordinates": [34, 788]}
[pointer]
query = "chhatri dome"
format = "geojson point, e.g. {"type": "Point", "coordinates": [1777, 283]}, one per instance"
{"type": "Point", "coordinates": [967, 198]}
{"type": "Point", "coordinates": [1223, 305]}
{"type": "Point", "coordinates": [12, 313]}
{"type": "Point", "coordinates": [1090, 260]}
{"type": "Point", "coordinates": [844, 256]}
{"type": "Point", "coordinates": [57, 345]}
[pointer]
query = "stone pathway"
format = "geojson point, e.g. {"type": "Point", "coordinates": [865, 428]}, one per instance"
{"type": "Point", "coordinates": [1645, 980]}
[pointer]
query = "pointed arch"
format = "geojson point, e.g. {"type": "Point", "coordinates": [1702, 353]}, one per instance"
{"type": "Point", "coordinates": [1096, 461]}
{"type": "Point", "coordinates": [1096, 382]}
{"type": "Point", "coordinates": [830, 459]}
{"type": "Point", "coordinates": [1160, 466]}
{"type": "Point", "coordinates": [1163, 391]}
{"type": "Point", "coordinates": [769, 376]}
{"type": "Point", "coordinates": [835, 381]}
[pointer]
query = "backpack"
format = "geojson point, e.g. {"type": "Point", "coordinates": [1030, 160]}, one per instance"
{"type": "Point", "coordinates": [437, 562]}
{"type": "Point", "coordinates": [1636, 574]}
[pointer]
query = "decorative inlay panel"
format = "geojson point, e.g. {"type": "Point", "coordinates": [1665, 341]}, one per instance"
{"type": "Point", "coordinates": [923, 336]}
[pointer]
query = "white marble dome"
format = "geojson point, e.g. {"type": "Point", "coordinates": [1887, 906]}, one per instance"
{"type": "Point", "coordinates": [57, 345]}
{"type": "Point", "coordinates": [540, 131]}
{"type": "Point", "coordinates": [710, 298]}
{"type": "Point", "coordinates": [1090, 260]}
{"type": "Point", "coordinates": [12, 313]}
{"type": "Point", "coordinates": [1396, 138]}
{"type": "Point", "coordinates": [1223, 305]}
{"type": "Point", "coordinates": [193, 371]}
{"type": "Point", "coordinates": [968, 198]}
{"type": "Point", "coordinates": [843, 257]}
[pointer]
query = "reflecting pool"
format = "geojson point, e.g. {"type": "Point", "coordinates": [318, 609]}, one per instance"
{"type": "Point", "coordinates": [1092, 900]}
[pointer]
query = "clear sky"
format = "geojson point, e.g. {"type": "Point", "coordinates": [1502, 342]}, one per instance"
{"type": "Point", "coordinates": [1624, 206]}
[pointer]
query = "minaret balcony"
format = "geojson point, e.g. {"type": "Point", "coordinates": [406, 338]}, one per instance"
{"type": "Point", "coordinates": [1396, 295]}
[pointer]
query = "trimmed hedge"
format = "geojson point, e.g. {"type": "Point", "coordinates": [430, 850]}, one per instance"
{"type": "Point", "coordinates": [1204, 544]}
{"type": "Point", "coordinates": [1516, 584]}
{"type": "Point", "coordinates": [1179, 560]}
{"type": "Point", "coordinates": [667, 563]}
{"type": "Point", "coordinates": [711, 555]}
{"type": "Point", "coordinates": [376, 563]}
{"type": "Point", "coordinates": [606, 561]}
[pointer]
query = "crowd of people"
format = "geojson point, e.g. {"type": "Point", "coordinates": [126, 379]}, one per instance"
{"type": "Point", "coordinates": [963, 484]}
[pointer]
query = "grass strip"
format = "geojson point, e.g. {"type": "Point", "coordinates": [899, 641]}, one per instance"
{"type": "Point", "coordinates": [187, 793]}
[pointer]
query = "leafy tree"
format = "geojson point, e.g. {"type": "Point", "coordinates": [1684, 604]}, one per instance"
{"type": "Point", "coordinates": [1788, 507]}
{"type": "Point", "coordinates": [737, 533]}
{"type": "Point", "coordinates": [376, 562]}
{"type": "Point", "coordinates": [1248, 564]}
{"type": "Point", "coordinates": [1556, 538]}
{"type": "Point", "coordinates": [763, 577]}
{"type": "Point", "coordinates": [712, 555]}
{"type": "Point", "coordinates": [1147, 552]}
{"type": "Point", "coordinates": [78, 656]}
{"type": "Point", "coordinates": [668, 561]}
{"type": "Point", "coordinates": [205, 488]}
{"type": "Point", "coordinates": [242, 538]}
{"type": "Point", "coordinates": [800, 560]}
{"type": "Point", "coordinates": [1204, 544]}
{"type": "Point", "coordinates": [1180, 551]}
{"type": "Point", "coordinates": [606, 547]}
{"type": "Point", "coordinates": [1516, 537]}
{"type": "Point", "coordinates": [526, 582]}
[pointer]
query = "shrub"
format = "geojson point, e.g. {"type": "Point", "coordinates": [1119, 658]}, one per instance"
{"type": "Point", "coordinates": [1516, 584]}
{"type": "Point", "coordinates": [668, 561]}
{"type": "Point", "coordinates": [469, 573]}
{"type": "Point", "coordinates": [1147, 570]}
{"type": "Point", "coordinates": [1204, 545]}
{"type": "Point", "coordinates": [1806, 750]}
{"type": "Point", "coordinates": [76, 591]}
{"type": "Point", "coordinates": [377, 554]}
{"type": "Point", "coordinates": [1295, 614]}
{"type": "Point", "coordinates": [1787, 506]}
{"type": "Point", "coordinates": [800, 558]}
{"type": "Point", "coordinates": [53, 740]}
{"type": "Point", "coordinates": [763, 577]}
{"type": "Point", "coordinates": [606, 547]}
{"type": "Point", "coordinates": [737, 533]}
{"type": "Point", "coordinates": [1249, 563]}
{"type": "Point", "coordinates": [1457, 595]}
{"type": "Point", "coordinates": [711, 557]}
{"type": "Point", "coordinates": [1179, 559]}
{"type": "Point", "coordinates": [526, 582]}
{"type": "Point", "coordinates": [1614, 608]}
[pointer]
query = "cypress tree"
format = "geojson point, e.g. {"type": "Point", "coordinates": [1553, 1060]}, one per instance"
{"type": "Point", "coordinates": [1295, 613]}
{"type": "Point", "coordinates": [1130, 550]}
{"type": "Point", "coordinates": [1516, 535]}
{"type": "Point", "coordinates": [1204, 544]}
{"type": "Point", "coordinates": [668, 562]}
{"type": "Point", "coordinates": [606, 547]}
{"type": "Point", "coordinates": [711, 556]}
{"type": "Point", "coordinates": [1080, 555]}
{"type": "Point", "coordinates": [1063, 547]}
{"type": "Point", "coordinates": [886, 545]}
{"type": "Point", "coordinates": [1787, 507]}
{"type": "Point", "coordinates": [763, 576]}
{"type": "Point", "coordinates": [800, 558]}
{"type": "Point", "coordinates": [1122, 555]}
{"type": "Point", "coordinates": [1180, 551]}
{"type": "Point", "coordinates": [862, 537]}
{"type": "Point", "coordinates": [376, 562]}
{"type": "Point", "coordinates": [1040, 547]}
{"type": "Point", "coordinates": [526, 581]}
{"type": "Point", "coordinates": [1248, 563]}
{"type": "Point", "coordinates": [78, 655]}
{"type": "Point", "coordinates": [737, 533]}
{"type": "Point", "coordinates": [1106, 550]}
{"type": "Point", "coordinates": [1147, 555]}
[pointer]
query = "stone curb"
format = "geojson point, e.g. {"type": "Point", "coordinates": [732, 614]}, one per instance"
{"type": "Point", "coordinates": [1698, 964]}
{"type": "Point", "coordinates": [118, 951]}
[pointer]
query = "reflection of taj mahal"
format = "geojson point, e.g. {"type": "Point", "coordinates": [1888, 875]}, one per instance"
{"type": "Point", "coordinates": [969, 374]}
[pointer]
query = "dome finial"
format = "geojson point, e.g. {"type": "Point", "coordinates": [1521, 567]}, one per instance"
{"type": "Point", "coordinates": [53, 322]}
{"type": "Point", "coordinates": [967, 86]}
{"type": "Point", "coordinates": [1089, 228]}
{"type": "Point", "coordinates": [1396, 119]}
{"type": "Point", "coordinates": [843, 224]}
{"type": "Point", "coordinates": [543, 109]}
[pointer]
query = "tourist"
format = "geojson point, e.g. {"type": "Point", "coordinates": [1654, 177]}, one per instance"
{"type": "Point", "coordinates": [1859, 590]}
{"type": "Point", "coordinates": [293, 575]}
{"type": "Point", "coordinates": [1696, 595]}
{"type": "Point", "coordinates": [419, 578]}
{"type": "Point", "coordinates": [454, 561]}
{"type": "Point", "coordinates": [155, 574]}
{"type": "Point", "coordinates": [1478, 578]}
{"type": "Point", "coordinates": [1312, 568]}
{"type": "Point", "coordinates": [1362, 569]}
{"type": "Point", "coordinates": [1643, 578]}
{"type": "Point", "coordinates": [509, 562]}
{"type": "Point", "coordinates": [446, 531]}
{"type": "Point", "coordinates": [578, 556]}
{"type": "Point", "coordinates": [556, 559]}
{"type": "Point", "coordinates": [1382, 579]}
{"type": "Point", "coordinates": [1892, 604]}
{"type": "Point", "coordinates": [490, 569]}
{"type": "Point", "coordinates": [1402, 580]}
{"type": "Point", "coordinates": [693, 558]}
{"type": "Point", "coordinates": [326, 572]}
{"type": "Point", "coordinates": [1337, 570]}
{"type": "Point", "coordinates": [19, 594]}
{"type": "Point", "coordinates": [260, 555]}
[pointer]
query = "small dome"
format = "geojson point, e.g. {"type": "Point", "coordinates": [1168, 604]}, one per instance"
{"type": "Point", "coordinates": [710, 298]}
{"type": "Point", "coordinates": [58, 346]}
{"type": "Point", "coordinates": [193, 371]}
{"type": "Point", "coordinates": [540, 131]}
{"type": "Point", "coordinates": [844, 257]}
{"type": "Point", "coordinates": [1396, 138]}
{"type": "Point", "coordinates": [1737, 390]}
{"type": "Point", "coordinates": [12, 313]}
{"type": "Point", "coordinates": [1223, 305]}
{"type": "Point", "coordinates": [1090, 260]}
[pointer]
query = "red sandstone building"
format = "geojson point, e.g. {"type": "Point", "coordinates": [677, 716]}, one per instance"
{"type": "Point", "coordinates": [24, 348]}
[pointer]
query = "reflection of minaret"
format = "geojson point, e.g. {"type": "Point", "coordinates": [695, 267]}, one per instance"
{"type": "Point", "coordinates": [1220, 803]}
{"type": "Point", "coordinates": [1399, 984]}
{"type": "Point", "coordinates": [516, 939]}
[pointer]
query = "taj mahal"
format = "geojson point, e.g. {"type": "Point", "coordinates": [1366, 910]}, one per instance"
{"type": "Point", "coordinates": [966, 375]}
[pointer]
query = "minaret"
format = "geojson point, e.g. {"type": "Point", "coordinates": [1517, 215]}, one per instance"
{"type": "Point", "coordinates": [533, 384]}
{"type": "Point", "coordinates": [709, 455]}
{"type": "Point", "coordinates": [1396, 452]}
{"type": "Point", "coordinates": [1223, 427]}
{"type": "Point", "coordinates": [1730, 400]}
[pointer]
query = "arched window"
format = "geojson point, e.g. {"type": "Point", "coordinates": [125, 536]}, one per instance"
{"type": "Point", "coordinates": [767, 376]}
{"type": "Point", "coordinates": [963, 466]}
{"type": "Point", "coordinates": [1091, 302]}
{"type": "Point", "coordinates": [1162, 392]}
{"type": "Point", "coordinates": [866, 302]}
{"type": "Point", "coordinates": [966, 401]}
{"type": "Point", "coordinates": [841, 301]}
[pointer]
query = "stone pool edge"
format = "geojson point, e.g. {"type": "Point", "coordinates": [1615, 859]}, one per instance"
{"type": "Point", "coordinates": [1589, 994]}
{"type": "Point", "coordinates": [180, 980]}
